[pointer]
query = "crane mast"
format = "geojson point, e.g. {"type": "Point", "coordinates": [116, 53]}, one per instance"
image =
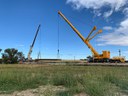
{"type": "Point", "coordinates": [31, 47]}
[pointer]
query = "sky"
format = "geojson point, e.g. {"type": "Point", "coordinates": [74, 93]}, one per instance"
{"type": "Point", "coordinates": [19, 20]}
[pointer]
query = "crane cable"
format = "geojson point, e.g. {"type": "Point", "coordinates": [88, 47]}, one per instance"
{"type": "Point", "coordinates": [58, 38]}
{"type": "Point", "coordinates": [39, 53]}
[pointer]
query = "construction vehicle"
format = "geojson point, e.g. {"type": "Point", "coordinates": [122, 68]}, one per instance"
{"type": "Point", "coordinates": [118, 59]}
{"type": "Point", "coordinates": [105, 56]}
{"type": "Point", "coordinates": [31, 47]}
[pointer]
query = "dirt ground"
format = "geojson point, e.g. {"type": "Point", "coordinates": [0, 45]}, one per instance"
{"type": "Point", "coordinates": [48, 90]}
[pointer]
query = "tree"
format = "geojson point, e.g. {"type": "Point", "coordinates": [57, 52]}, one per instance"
{"type": "Point", "coordinates": [20, 56]}
{"type": "Point", "coordinates": [11, 55]}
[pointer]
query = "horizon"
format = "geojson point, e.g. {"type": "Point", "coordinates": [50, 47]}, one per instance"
{"type": "Point", "coordinates": [20, 19]}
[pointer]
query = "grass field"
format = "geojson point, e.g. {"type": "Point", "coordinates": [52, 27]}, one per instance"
{"type": "Point", "coordinates": [91, 80]}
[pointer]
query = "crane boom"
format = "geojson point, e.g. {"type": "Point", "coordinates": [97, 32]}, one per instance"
{"type": "Point", "coordinates": [86, 41]}
{"type": "Point", "coordinates": [94, 35]}
{"type": "Point", "coordinates": [36, 35]}
{"type": "Point", "coordinates": [31, 47]}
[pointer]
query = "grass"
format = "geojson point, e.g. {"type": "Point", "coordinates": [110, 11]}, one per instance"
{"type": "Point", "coordinates": [92, 80]}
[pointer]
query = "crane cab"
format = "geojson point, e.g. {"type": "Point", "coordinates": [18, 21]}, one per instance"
{"type": "Point", "coordinates": [106, 54]}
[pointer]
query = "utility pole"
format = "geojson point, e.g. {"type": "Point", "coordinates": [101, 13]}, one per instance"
{"type": "Point", "coordinates": [74, 58]}
{"type": "Point", "coordinates": [58, 54]}
{"type": "Point", "coordinates": [39, 55]}
{"type": "Point", "coordinates": [119, 52]}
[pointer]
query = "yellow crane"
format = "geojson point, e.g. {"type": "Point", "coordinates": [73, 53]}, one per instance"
{"type": "Point", "coordinates": [104, 57]}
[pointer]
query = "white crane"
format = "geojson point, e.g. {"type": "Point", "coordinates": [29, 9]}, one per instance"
{"type": "Point", "coordinates": [31, 47]}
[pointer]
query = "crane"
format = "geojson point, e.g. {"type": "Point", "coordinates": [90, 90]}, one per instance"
{"type": "Point", "coordinates": [104, 57]}
{"type": "Point", "coordinates": [31, 47]}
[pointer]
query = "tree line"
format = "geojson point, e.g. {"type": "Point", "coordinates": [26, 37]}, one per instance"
{"type": "Point", "coordinates": [11, 56]}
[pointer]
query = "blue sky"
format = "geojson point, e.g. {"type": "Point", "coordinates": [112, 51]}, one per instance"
{"type": "Point", "coordinates": [19, 20]}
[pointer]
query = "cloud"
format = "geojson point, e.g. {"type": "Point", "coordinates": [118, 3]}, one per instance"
{"type": "Point", "coordinates": [105, 8]}
{"type": "Point", "coordinates": [20, 45]}
{"type": "Point", "coordinates": [107, 14]}
{"type": "Point", "coordinates": [118, 37]}
{"type": "Point", "coordinates": [125, 11]}
{"type": "Point", "coordinates": [97, 13]}
{"type": "Point", "coordinates": [114, 5]}
{"type": "Point", "coordinates": [107, 28]}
